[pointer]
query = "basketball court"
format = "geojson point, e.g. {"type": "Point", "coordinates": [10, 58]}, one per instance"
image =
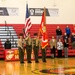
{"type": "Point", "coordinates": [56, 66]}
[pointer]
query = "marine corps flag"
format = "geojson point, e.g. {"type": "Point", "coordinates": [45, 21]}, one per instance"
{"type": "Point", "coordinates": [43, 30]}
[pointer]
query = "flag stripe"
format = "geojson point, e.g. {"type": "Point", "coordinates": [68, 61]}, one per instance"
{"type": "Point", "coordinates": [27, 21]}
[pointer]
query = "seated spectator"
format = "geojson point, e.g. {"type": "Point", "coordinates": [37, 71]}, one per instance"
{"type": "Point", "coordinates": [7, 44]}
{"type": "Point", "coordinates": [73, 40]}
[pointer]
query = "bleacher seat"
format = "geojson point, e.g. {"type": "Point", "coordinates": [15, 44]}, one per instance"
{"type": "Point", "coordinates": [16, 29]}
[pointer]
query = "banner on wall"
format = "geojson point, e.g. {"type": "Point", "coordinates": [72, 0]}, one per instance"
{"type": "Point", "coordinates": [6, 11]}
{"type": "Point", "coordinates": [13, 54]}
{"type": "Point", "coordinates": [52, 12]}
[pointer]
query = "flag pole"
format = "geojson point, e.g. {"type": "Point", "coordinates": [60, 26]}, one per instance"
{"type": "Point", "coordinates": [44, 16]}
{"type": "Point", "coordinates": [43, 30]}
{"type": "Point", "coordinates": [44, 12]}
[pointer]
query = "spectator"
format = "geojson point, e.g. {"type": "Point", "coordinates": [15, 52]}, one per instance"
{"type": "Point", "coordinates": [73, 29]}
{"type": "Point", "coordinates": [73, 40]}
{"type": "Point", "coordinates": [65, 48]}
{"type": "Point", "coordinates": [58, 33]}
{"type": "Point", "coordinates": [7, 44]}
{"type": "Point", "coordinates": [68, 31]}
{"type": "Point", "coordinates": [65, 37]}
{"type": "Point", "coordinates": [59, 48]}
{"type": "Point", "coordinates": [53, 47]}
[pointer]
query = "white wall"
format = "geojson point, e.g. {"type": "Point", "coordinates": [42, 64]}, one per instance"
{"type": "Point", "coordinates": [66, 11]}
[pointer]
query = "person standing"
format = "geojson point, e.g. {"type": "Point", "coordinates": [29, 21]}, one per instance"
{"type": "Point", "coordinates": [20, 48]}
{"type": "Point", "coordinates": [59, 48]}
{"type": "Point", "coordinates": [44, 54]}
{"type": "Point", "coordinates": [43, 51]}
{"type": "Point", "coordinates": [73, 29]}
{"type": "Point", "coordinates": [7, 44]}
{"type": "Point", "coordinates": [65, 37]}
{"type": "Point", "coordinates": [58, 33]}
{"type": "Point", "coordinates": [36, 47]}
{"type": "Point", "coordinates": [28, 40]}
{"type": "Point", "coordinates": [68, 31]}
{"type": "Point", "coordinates": [65, 48]}
{"type": "Point", "coordinates": [53, 44]}
{"type": "Point", "coordinates": [73, 40]}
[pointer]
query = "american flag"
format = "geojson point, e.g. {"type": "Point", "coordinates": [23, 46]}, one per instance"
{"type": "Point", "coordinates": [27, 21]}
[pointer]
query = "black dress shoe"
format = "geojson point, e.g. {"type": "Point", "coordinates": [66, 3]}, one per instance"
{"type": "Point", "coordinates": [29, 62]}
{"type": "Point", "coordinates": [44, 61]}
{"type": "Point", "coordinates": [37, 61]}
{"type": "Point", "coordinates": [22, 62]}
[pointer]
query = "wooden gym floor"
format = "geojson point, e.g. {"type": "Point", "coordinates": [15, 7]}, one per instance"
{"type": "Point", "coordinates": [57, 66]}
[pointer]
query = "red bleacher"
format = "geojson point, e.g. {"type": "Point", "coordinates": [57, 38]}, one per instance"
{"type": "Point", "coordinates": [51, 30]}
{"type": "Point", "coordinates": [1, 50]}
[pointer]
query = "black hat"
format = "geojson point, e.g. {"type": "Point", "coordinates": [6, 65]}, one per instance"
{"type": "Point", "coordinates": [20, 34]}
{"type": "Point", "coordinates": [35, 34]}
